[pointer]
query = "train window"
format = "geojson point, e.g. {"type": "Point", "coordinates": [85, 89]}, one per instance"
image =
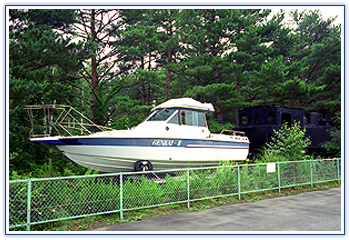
{"type": "Point", "coordinates": [286, 118]}
{"type": "Point", "coordinates": [256, 118]}
{"type": "Point", "coordinates": [244, 119]}
{"type": "Point", "coordinates": [270, 117]}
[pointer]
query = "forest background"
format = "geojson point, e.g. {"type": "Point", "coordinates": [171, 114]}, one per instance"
{"type": "Point", "coordinates": [114, 64]}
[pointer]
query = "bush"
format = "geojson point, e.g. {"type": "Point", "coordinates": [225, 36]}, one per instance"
{"type": "Point", "coordinates": [333, 147]}
{"type": "Point", "coordinates": [288, 143]}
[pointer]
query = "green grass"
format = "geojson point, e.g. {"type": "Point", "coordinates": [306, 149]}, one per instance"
{"type": "Point", "coordinates": [94, 222]}
{"type": "Point", "coordinates": [61, 198]}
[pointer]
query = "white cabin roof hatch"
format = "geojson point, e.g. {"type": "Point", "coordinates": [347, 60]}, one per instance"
{"type": "Point", "coordinates": [186, 103]}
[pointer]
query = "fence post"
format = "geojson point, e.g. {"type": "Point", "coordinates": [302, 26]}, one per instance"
{"type": "Point", "coordinates": [121, 196]}
{"type": "Point", "coordinates": [239, 183]}
{"type": "Point", "coordinates": [29, 203]}
{"type": "Point", "coordinates": [188, 188]}
{"type": "Point", "coordinates": [311, 175]}
{"type": "Point", "coordinates": [279, 177]}
{"type": "Point", "coordinates": [338, 168]}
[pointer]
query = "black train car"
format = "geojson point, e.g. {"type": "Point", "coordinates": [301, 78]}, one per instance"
{"type": "Point", "coordinates": [258, 124]}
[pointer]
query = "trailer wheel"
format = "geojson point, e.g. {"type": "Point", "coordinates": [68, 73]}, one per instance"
{"type": "Point", "coordinates": [143, 166]}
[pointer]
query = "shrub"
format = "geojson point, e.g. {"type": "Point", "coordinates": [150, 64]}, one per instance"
{"type": "Point", "coordinates": [333, 147]}
{"type": "Point", "coordinates": [287, 143]}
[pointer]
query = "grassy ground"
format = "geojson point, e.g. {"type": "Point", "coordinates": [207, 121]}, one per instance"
{"type": "Point", "coordinates": [90, 223]}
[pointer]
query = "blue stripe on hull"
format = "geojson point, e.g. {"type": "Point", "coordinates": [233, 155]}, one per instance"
{"type": "Point", "coordinates": [144, 142]}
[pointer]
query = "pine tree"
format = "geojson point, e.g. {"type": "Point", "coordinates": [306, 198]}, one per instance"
{"type": "Point", "coordinates": [318, 47]}
{"type": "Point", "coordinates": [43, 64]}
{"type": "Point", "coordinates": [167, 22]}
{"type": "Point", "coordinates": [100, 31]}
{"type": "Point", "coordinates": [223, 47]}
{"type": "Point", "coordinates": [144, 37]}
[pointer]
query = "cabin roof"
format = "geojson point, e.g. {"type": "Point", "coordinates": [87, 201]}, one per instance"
{"type": "Point", "coordinates": [186, 103]}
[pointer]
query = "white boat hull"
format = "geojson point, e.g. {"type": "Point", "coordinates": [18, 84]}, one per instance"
{"type": "Point", "coordinates": [121, 159]}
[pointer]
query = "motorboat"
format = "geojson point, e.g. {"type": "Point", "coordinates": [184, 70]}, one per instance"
{"type": "Point", "coordinates": [175, 135]}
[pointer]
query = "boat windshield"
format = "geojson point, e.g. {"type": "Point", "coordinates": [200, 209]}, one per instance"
{"type": "Point", "coordinates": [161, 115]}
{"type": "Point", "coordinates": [181, 117]}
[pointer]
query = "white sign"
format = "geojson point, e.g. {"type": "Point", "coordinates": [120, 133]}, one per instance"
{"type": "Point", "coordinates": [271, 167]}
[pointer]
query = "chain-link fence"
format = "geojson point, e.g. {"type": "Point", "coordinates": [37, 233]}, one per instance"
{"type": "Point", "coordinates": [36, 201]}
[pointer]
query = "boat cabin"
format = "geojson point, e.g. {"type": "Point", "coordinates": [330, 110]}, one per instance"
{"type": "Point", "coordinates": [178, 117]}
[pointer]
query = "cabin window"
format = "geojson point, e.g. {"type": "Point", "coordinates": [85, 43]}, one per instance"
{"type": "Point", "coordinates": [187, 118]}
{"type": "Point", "coordinates": [175, 119]}
{"type": "Point", "coordinates": [193, 118]}
{"type": "Point", "coordinates": [202, 122]}
{"type": "Point", "coordinates": [161, 115]}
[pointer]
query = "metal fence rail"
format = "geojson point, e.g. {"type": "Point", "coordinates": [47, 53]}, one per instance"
{"type": "Point", "coordinates": [36, 201]}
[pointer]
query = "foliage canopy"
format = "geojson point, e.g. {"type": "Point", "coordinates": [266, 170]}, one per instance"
{"type": "Point", "coordinates": [113, 64]}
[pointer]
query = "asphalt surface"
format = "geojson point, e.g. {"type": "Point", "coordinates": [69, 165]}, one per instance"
{"type": "Point", "coordinates": [310, 211]}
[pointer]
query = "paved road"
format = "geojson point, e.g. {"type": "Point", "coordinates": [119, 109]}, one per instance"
{"type": "Point", "coordinates": [310, 211]}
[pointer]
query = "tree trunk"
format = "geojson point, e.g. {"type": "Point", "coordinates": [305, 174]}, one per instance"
{"type": "Point", "coordinates": [218, 105]}
{"type": "Point", "coordinates": [168, 75]}
{"type": "Point", "coordinates": [94, 76]}
{"type": "Point", "coordinates": [169, 52]}
{"type": "Point", "coordinates": [238, 89]}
